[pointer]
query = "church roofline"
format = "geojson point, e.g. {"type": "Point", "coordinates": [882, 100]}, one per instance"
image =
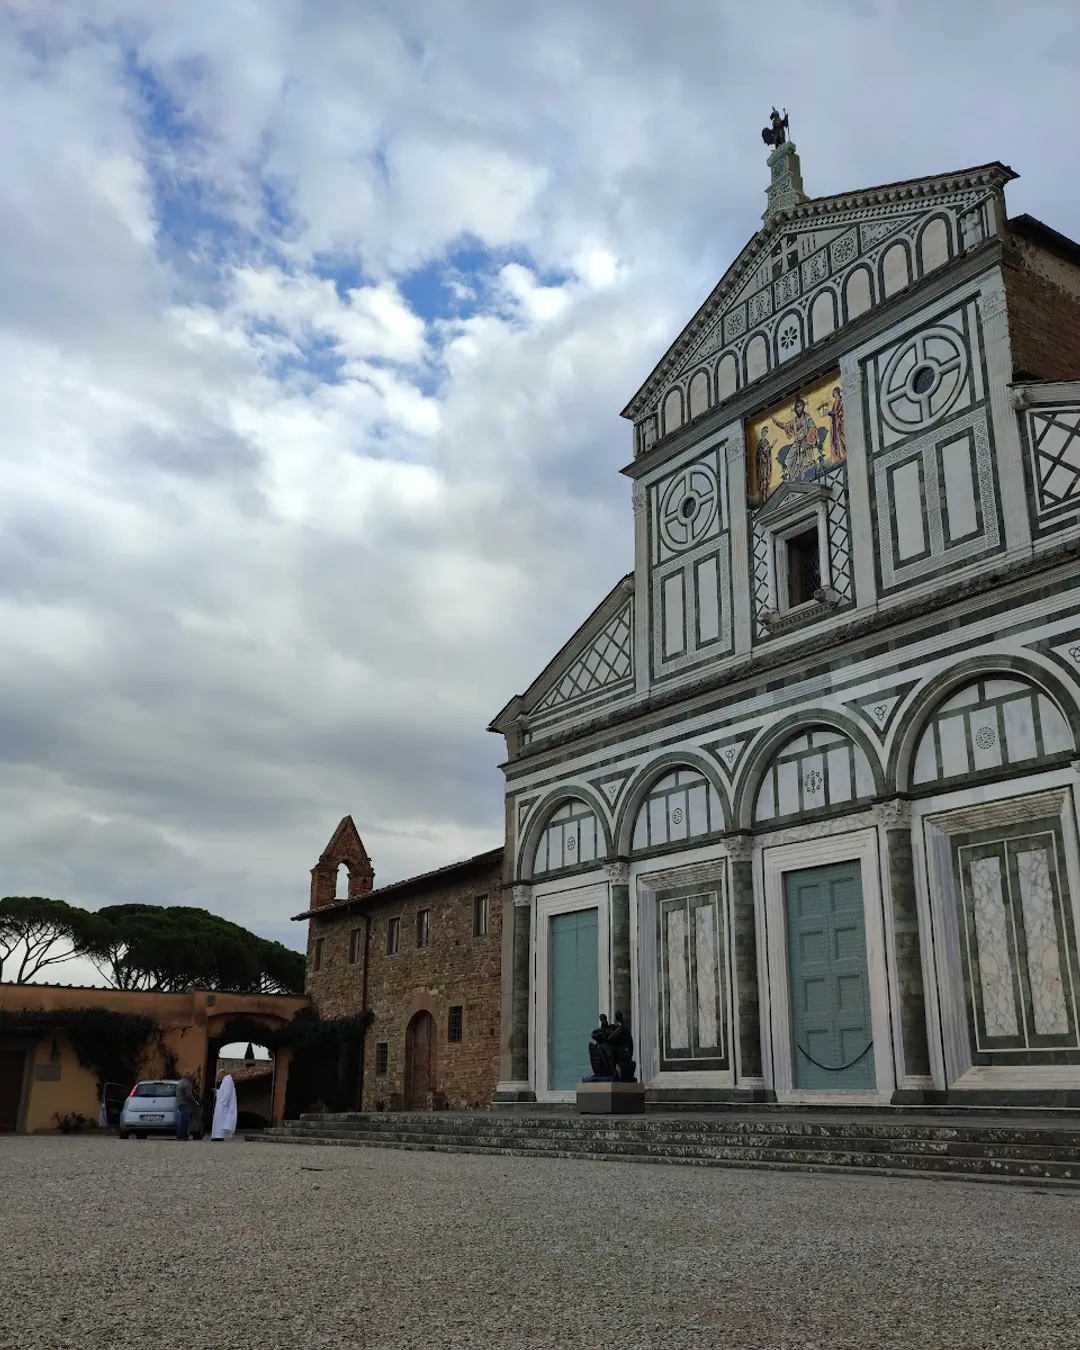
{"type": "Point", "coordinates": [1030, 227]}
{"type": "Point", "coordinates": [507, 715]}
{"type": "Point", "coordinates": [993, 175]}
{"type": "Point", "coordinates": [460, 868]}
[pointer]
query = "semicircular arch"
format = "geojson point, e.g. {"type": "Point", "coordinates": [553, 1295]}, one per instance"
{"type": "Point", "coordinates": [541, 818]}
{"type": "Point", "coordinates": [777, 736]}
{"type": "Point", "coordinates": [647, 778]}
{"type": "Point", "coordinates": [936, 691]}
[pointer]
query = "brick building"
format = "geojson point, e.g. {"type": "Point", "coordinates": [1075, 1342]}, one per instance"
{"type": "Point", "coordinates": [424, 955]}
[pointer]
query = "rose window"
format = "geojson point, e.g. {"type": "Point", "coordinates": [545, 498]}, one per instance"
{"type": "Point", "coordinates": [924, 379]}
{"type": "Point", "coordinates": [688, 507]}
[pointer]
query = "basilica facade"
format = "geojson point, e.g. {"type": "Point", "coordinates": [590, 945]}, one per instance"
{"type": "Point", "coordinates": [800, 797]}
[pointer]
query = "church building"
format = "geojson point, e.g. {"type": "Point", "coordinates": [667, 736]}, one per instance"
{"type": "Point", "coordinates": [799, 798]}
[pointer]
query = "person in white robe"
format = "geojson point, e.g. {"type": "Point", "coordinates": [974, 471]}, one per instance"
{"type": "Point", "coordinates": [225, 1109]}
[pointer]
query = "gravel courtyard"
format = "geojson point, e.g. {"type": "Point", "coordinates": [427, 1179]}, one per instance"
{"type": "Point", "coordinates": [240, 1246]}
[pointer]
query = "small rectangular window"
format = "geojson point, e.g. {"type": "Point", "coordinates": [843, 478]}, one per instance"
{"type": "Point", "coordinates": [423, 927]}
{"type": "Point", "coordinates": [480, 916]}
{"type": "Point", "coordinates": [393, 936]}
{"type": "Point", "coordinates": [317, 957]}
{"type": "Point", "coordinates": [382, 1058]}
{"type": "Point", "coordinates": [354, 946]}
{"type": "Point", "coordinates": [455, 1023]}
{"type": "Point", "coordinates": [803, 567]}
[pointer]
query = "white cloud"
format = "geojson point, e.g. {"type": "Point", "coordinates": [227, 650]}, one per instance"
{"type": "Point", "coordinates": [281, 527]}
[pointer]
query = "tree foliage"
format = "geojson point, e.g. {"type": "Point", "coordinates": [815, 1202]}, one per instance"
{"type": "Point", "coordinates": [166, 948]}
{"type": "Point", "coordinates": [41, 932]}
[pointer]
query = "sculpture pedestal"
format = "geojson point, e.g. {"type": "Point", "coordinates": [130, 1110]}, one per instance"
{"type": "Point", "coordinates": [610, 1099]}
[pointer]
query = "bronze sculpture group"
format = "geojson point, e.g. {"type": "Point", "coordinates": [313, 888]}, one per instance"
{"type": "Point", "coordinates": [611, 1052]}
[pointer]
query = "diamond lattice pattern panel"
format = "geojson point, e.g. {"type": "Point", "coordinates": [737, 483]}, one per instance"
{"type": "Point", "coordinates": [608, 660]}
{"type": "Point", "coordinates": [1055, 439]}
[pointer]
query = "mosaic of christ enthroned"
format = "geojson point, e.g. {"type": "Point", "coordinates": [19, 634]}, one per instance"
{"type": "Point", "coordinates": [796, 441]}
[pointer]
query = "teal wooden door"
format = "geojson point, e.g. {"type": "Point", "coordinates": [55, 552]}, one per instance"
{"type": "Point", "coordinates": [833, 1043]}
{"type": "Point", "coordinates": [573, 996]}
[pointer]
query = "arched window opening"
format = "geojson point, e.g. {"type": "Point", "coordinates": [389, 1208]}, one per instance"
{"type": "Point", "coordinates": [989, 724]}
{"type": "Point", "coordinates": [573, 835]}
{"type": "Point", "coordinates": [684, 805]}
{"type": "Point", "coordinates": [341, 891]}
{"type": "Point", "coordinates": [816, 770]}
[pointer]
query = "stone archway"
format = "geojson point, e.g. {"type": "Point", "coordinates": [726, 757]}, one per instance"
{"type": "Point", "coordinates": [419, 1061]}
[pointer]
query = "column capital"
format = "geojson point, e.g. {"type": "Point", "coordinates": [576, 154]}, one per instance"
{"type": "Point", "coordinates": [740, 847]}
{"type": "Point", "coordinates": [522, 896]}
{"type": "Point", "coordinates": [618, 873]}
{"type": "Point", "coordinates": [893, 815]}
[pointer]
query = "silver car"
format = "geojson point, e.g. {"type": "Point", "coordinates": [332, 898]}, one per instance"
{"type": "Point", "coordinates": [150, 1108]}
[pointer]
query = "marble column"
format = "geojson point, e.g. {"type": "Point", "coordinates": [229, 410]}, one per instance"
{"type": "Point", "coordinates": [618, 874]}
{"type": "Point", "coordinates": [895, 816]}
{"type": "Point", "coordinates": [517, 964]}
{"type": "Point", "coordinates": [744, 950]}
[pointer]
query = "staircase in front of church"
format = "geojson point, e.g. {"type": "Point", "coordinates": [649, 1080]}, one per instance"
{"type": "Point", "coordinates": [1031, 1147]}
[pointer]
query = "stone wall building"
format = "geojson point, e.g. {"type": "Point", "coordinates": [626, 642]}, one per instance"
{"type": "Point", "coordinates": [800, 795]}
{"type": "Point", "coordinates": [424, 956]}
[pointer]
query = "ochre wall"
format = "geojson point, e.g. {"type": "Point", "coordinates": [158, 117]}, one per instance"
{"type": "Point", "coordinates": [188, 1022]}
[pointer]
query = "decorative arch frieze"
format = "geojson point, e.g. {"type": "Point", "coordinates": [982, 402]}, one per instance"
{"type": "Point", "coordinates": [966, 674]}
{"type": "Point", "coordinates": [654, 772]}
{"type": "Point", "coordinates": [541, 817]}
{"type": "Point", "coordinates": [759, 757]}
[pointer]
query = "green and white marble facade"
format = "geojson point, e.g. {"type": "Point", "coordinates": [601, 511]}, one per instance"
{"type": "Point", "coordinates": [694, 745]}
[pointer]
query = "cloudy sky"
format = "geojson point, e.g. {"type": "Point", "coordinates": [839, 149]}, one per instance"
{"type": "Point", "coordinates": [316, 320]}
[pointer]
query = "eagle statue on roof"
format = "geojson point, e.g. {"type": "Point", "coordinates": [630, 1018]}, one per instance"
{"type": "Point", "coordinates": [776, 132]}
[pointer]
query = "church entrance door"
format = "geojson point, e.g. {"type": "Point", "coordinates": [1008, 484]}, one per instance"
{"type": "Point", "coordinates": [573, 996]}
{"type": "Point", "coordinates": [832, 1039]}
{"type": "Point", "coordinates": [419, 1061]}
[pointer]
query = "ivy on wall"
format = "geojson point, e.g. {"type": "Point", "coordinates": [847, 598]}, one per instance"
{"type": "Point", "coordinates": [110, 1044]}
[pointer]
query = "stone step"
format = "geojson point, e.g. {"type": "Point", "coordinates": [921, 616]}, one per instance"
{"type": "Point", "coordinates": [1048, 1161]}
{"type": "Point", "coordinates": [1017, 1171]}
{"type": "Point", "coordinates": [1031, 1146]}
{"type": "Point", "coordinates": [577, 1127]}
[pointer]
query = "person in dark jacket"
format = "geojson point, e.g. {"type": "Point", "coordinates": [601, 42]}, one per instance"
{"type": "Point", "coordinates": [185, 1103]}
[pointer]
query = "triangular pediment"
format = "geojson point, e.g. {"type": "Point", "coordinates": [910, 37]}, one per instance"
{"type": "Point", "coordinates": [879, 708]}
{"type": "Point", "coordinates": [345, 844]}
{"type": "Point", "coordinates": [598, 659]}
{"type": "Point", "coordinates": [808, 248]}
{"type": "Point", "coordinates": [788, 500]}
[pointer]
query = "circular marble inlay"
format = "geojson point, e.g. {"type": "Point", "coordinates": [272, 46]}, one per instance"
{"type": "Point", "coordinates": [571, 844]}
{"type": "Point", "coordinates": [813, 782]}
{"type": "Point", "coordinates": [677, 816]}
{"type": "Point", "coordinates": [985, 737]}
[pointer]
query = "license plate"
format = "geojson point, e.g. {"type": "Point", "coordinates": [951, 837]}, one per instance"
{"type": "Point", "coordinates": [161, 1117]}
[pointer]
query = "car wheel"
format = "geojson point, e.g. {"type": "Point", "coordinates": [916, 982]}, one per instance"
{"type": "Point", "coordinates": [122, 1134]}
{"type": "Point", "coordinates": [140, 1134]}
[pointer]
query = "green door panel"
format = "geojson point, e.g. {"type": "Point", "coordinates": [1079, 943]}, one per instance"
{"type": "Point", "coordinates": [573, 996]}
{"type": "Point", "coordinates": [832, 1037]}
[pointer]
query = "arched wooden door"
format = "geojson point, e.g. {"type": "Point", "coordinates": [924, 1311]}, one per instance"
{"type": "Point", "coordinates": [419, 1061]}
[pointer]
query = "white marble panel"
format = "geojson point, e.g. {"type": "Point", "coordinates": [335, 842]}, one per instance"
{"type": "Point", "coordinates": [705, 961]}
{"type": "Point", "coordinates": [925, 767]}
{"type": "Point", "coordinates": [1020, 740]}
{"type": "Point", "coordinates": [1057, 738]}
{"type": "Point", "coordinates": [678, 992]}
{"type": "Point", "coordinates": [822, 317]}
{"type": "Point", "coordinates": [864, 775]}
{"type": "Point", "coordinates": [908, 510]}
{"type": "Point", "coordinates": [839, 769]}
{"type": "Point", "coordinates": [765, 807]}
{"type": "Point", "coordinates": [708, 600]}
{"type": "Point", "coordinates": [985, 740]}
{"type": "Point", "coordinates": [658, 820]}
{"type": "Point", "coordinates": [587, 840]}
{"type": "Point", "coordinates": [726, 378]}
{"type": "Point", "coordinates": [857, 293]}
{"type": "Point", "coordinates": [894, 269]}
{"type": "Point", "coordinates": [992, 941]}
{"type": "Point", "coordinates": [958, 471]}
{"type": "Point", "coordinates": [674, 639]}
{"type": "Point", "coordinates": [934, 245]}
{"type": "Point", "coordinates": [697, 809]}
{"type": "Point", "coordinates": [812, 769]}
{"type": "Point", "coordinates": [673, 411]}
{"type": "Point", "coordinates": [787, 788]}
{"type": "Point", "coordinates": [954, 751]}
{"type": "Point", "coordinates": [757, 358]}
{"type": "Point", "coordinates": [1043, 954]}
{"type": "Point", "coordinates": [699, 393]}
